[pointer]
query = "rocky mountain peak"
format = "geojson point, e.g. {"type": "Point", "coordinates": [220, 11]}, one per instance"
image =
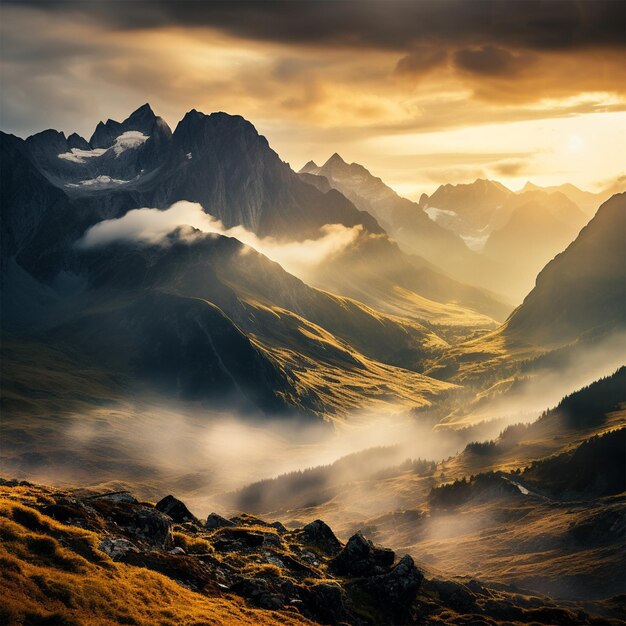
{"type": "Point", "coordinates": [143, 113]}
{"type": "Point", "coordinates": [309, 167]}
{"type": "Point", "coordinates": [47, 140]}
{"type": "Point", "coordinates": [76, 141]}
{"type": "Point", "coordinates": [334, 161]}
{"type": "Point", "coordinates": [229, 136]}
{"type": "Point", "coordinates": [142, 120]}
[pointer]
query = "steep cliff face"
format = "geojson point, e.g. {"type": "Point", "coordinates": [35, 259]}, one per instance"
{"type": "Point", "coordinates": [222, 162]}
{"type": "Point", "coordinates": [28, 199]}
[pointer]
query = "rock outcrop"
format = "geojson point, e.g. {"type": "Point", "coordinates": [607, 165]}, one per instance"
{"type": "Point", "coordinates": [304, 575]}
{"type": "Point", "coordinates": [175, 509]}
{"type": "Point", "coordinates": [360, 557]}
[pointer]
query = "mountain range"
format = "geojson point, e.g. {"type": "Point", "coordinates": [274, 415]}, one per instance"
{"type": "Point", "coordinates": [58, 188]}
{"type": "Point", "coordinates": [182, 310]}
{"type": "Point", "coordinates": [374, 311]}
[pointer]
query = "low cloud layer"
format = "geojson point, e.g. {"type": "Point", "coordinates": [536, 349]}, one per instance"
{"type": "Point", "coordinates": [151, 226]}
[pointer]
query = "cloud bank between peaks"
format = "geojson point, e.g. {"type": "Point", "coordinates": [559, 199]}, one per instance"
{"type": "Point", "coordinates": [151, 226]}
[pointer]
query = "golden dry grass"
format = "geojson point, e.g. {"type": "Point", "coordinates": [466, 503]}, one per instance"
{"type": "Point", "coordinates": [192, 545]}
{"type": "Point", "coordinates": [45, 581]}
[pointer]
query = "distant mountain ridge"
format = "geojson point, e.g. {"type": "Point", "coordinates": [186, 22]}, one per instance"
{"type": "Point", "coordinates": [467, 208]}
{"type": "Point", "coordinates": [586, 200]}
{"type": "Point", "coordinates": [404, 219]}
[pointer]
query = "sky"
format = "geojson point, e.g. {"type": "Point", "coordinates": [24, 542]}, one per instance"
{"type": "Point", "coordinates": [421, 93]}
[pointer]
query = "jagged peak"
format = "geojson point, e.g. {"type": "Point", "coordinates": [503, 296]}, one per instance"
{"type": "Point", "coordinates": [308, 167]}
{"type": "Point", "coordinates": [144, 109]}
{"type": "Point", "coordinates": [335, 159]}
{"type": "Point", "coordinates": [77, 141]}
{"type": "Point", "coordinates": [218, 119]}
{"type": "Point", "coordinates": [486, 182]}
{"type": "Point", "coordinates": [529, 186]}
{"type": "Point", "coordinates": [49, 132]}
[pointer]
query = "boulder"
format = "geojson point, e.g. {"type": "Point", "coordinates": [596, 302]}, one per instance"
{"type": "Point", "coordinates": [217, 521]}
{"type": "Point", "coordinates": [279, 527]}
{"type": "Point", "coordinates": [139, 521]}
{"type": "Point", "coordinates": [235, 539]}
{"type": "Point", "coordinates": [319, 535]}
{"type": "Point", "coordinates": [259, 592]}
{"type": "Point", "coordinates": [116, 496]}
{"type": "Point", "coordinates": [175, 509]}
{"type": "Point", "coordinates": [391, 594]}
{"type": "Point", "coordinates": [150, 525]}
{"type": "Point", "coordinates": [324, 603]}
{"type": "Point", "coordinates": [456, 595]}
{"type": "Point", "coordinates": [116, 547]}
{"type": "Point", "coordinates": [360, 557]}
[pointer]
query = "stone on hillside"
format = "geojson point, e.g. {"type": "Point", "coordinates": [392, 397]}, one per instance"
{"type": "Point", "coordinates": [152, 526]}
{"type": "Point", "coordinates": [279, 527]}
{"type": "Point", "coordinates": [392, 593]}
{"type": "Point", "coordinates": [116, 547]}
{"type": "Point", "coordinates": [324, 602]}
{"type": "Point", "coordinates": [259, 592]}
{"type": "Point", "coordinates": [117, 496]}
{"type": "Point", "coordinates": [176, 509]}
{"type": "Point", "coordinates": [214, 521]}
{"type": "Point", "coordinates": [320, 535]}
{"type": "Point", "coordinates": [360, 557]}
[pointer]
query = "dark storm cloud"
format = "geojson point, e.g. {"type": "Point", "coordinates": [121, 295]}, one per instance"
{"type": "Point", "coordinates": [422, 60]}
{"type": "Point", "coordinates": [384, 24]}
{"type": "Point", "coordinates": [489, 61]}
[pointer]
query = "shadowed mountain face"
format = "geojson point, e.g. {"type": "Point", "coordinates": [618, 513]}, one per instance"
{"type": "Point", "coordinates": [583, 289]}
{"type": "Point", "coordinates": [28, 199]}
{"type": "Point", "coordinates": [118, 155]}
{"type": "Point", "coordinates": [218, 160]}
{"type": "Point", "coordinates": [183, 347]}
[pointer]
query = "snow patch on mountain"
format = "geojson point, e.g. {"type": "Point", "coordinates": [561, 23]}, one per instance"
{"type": "Point", "coordinates": [129, 140]}
{"type": "Point", "coordinates": [435, 214]}
{"type": "Point", "coordinates": [475, 242]}
{"type": "Point", "coordinates": [76, 155]}
{"type": "Point", "coordinates": [99, 182]}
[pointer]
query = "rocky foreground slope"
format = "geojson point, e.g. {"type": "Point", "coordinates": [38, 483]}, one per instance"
{"type": "Point", "coordinates": [70, 558]}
